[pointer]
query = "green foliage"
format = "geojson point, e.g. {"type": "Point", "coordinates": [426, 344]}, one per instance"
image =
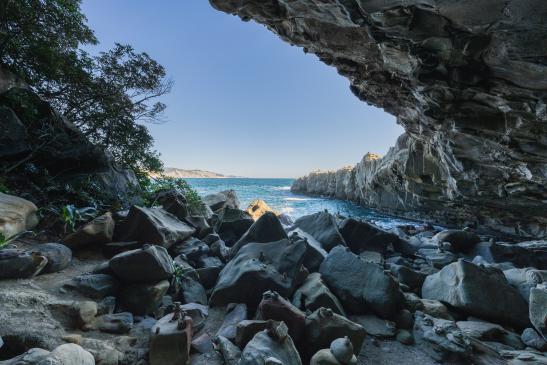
{"type": "Point", "coordinates": [3, 240]}
{"type": "Point", "coordinates": [3, 186]}
{"type": "Point", "coordinates": [72, 216]}
{"type": "Point", "coordinates": [152, 185]}
{"type": "Point", "coordinates": [107, 96]}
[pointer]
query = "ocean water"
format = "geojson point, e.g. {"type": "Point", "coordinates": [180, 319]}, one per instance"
{"type": "Point", "coordinates": [277, 194]}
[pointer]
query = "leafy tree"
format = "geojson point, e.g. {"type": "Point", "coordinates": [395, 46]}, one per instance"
{"type": "Point", "coordinates": [108, 96]}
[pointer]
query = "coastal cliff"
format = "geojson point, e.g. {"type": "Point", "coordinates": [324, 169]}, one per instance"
{"type": "Point", "coordinates": [467, 82]}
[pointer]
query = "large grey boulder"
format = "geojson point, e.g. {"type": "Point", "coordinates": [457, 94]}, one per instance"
{"type": "Point", "coordinates": [323, 227]}
{"type": "Point", "coordinates": [153, 226]}
{"type": "Point", "coordinates": [259, 267]}
{"type": "Point", "coordinates": [324, 326]}
{"type": "Point", "coordinates": [148, 264]}
{"type": "Point", "coordinates": [218, 201]}
{"type": "Point", "coordinates": [314, 294]}
{"type": "Point", "coordinates": [525, 279]}
{"type": "Point", "coordinates": [58, 256]}
{"type": "Point", "coordinates": [361, 285]}
{"type": "Point", "coordinates": [267, 228]}
{"type": "Point", "coordinates": [538, 308]}
{"type": "Point", "coordinates": [143, 299]}
{"type": "Point", "coordinates": [460, 240]}
{"type": "Point", "coordinates": [479, 291]}
{"type": "Point", "coordinates": [232, 224]}
{"type": "Point", "coordinates": [364, 236]}
{"type": "Point", "coordinates": [17, 264]}
{"type": "Point", "coordinates": [97, 232]}
{"type": "Point", "coordinates": [273, 346]}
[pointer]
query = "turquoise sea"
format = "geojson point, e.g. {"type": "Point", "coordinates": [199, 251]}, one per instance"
{"type": "Point", "coordinates": [277, 194]}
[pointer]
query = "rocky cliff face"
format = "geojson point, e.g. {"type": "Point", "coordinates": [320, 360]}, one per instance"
{"type": "Point", "coordinates": [466, 79]}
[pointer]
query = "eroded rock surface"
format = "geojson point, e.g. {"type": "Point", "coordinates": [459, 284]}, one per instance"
{"type": "Point", "coordinates": [466, 79]}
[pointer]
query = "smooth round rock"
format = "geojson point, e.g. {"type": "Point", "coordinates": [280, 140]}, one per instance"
{"type": "Point", "coordinates": [342, 349]}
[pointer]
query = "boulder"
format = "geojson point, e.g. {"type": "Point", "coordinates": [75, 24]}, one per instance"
{"type": "Point", "coordinates": [218, 201]}
{"type": "Point", "coordinates": [324, 326]}
{"type": "Point", "coordinates": [114, 248]}
{"type": "Point", "coordinates": [258, 208]}
{"type": "Point", "coordinates": [533, 339]}
{"type": "Point", "coordinates": [97, 232]}
{"type": "Point", "coordinates": [276, 308]}
{"type": "Point", "coordinates": [410, 278]}
{"type": "Point", "coordinates": [479, 291]}
{"type": "Point", "coordinates": [16, 215]}
{"type": "Point", "coordinates": [460, 240]}
{"type": "Point", "coordinates": [272, 346]}
{"type": "Point", "coordinates": [143, 299]}
{"type": "Point", "coordinates": [170, 339]}
{"type": "Point", "coordinates": [208, 271]}
{"type": "Point", "coordinates": [174, 202]}
{"type": "Point", "coordinates": [315, 254]}
{"type": "Point", "coordinates": [444, 337]}
{"type": "Point", "coordinates": [522, 255]}
{"type": "Point", "coordinates": [342, 349]}
{"type": "Point", "coordinates": [232, 224]}
{"type": "Point", "coordinates": [148, 264]}
{"type": "Point", "coordinates": [117, 323]}
{"type": "Point", "coordinates": [235, 314]}
{"type": "Point", "coordinates": [192, 249]}
{"type": "Point", "coordinates": [481, 330]}
{"type": "Point", "coordinates": [363, 236]}
{"type": "Point", "coordinates": [323, 227]}
{"type": "Point", "coordinates": [58, 256]}
{"type": "Point", "coordinates": [360, 285]}
{"type": "Point", "coordinates": [154, 226]}
{"type": "Point", "coordinates": [230, 352]}
{"type": "Point", "coordinates": [96, 286]}
{"type": "Point", "coordinates": [258, 267]}
{"type": "Point", "coordinates": [538, 309]}
{"type": "Point", "coordinates": [201, 224]}
{"type": "Point", "coordinates": [314, 294]}
{"type": "Point", "coordinates": [68, 354]}
{"type": "Point", "coordinates": [247, 329]}
{"type": "Point", "coordinates": [202, 344]}
{"type": "Point", "coordinates": [266, 229]}
{"type": "Point", "coordinates": [17, 264]}
{"type": "Point", "coordinates": [376, 327]}
{"type": "Point", "coordinates": [192, 291]}
{"type": "Point", "coordinates": [525, 279]}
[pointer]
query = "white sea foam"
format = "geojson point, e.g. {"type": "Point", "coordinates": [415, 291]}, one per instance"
{"type": "Point", "coordinates": [287, 210]}
{"type": "Point", "coordinates": [284, 188]}
{"type": "Point", "coordinates": [296, 199]}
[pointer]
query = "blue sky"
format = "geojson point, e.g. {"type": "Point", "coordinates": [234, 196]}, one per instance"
{"type": "Point", "coordinates": [244, 102]}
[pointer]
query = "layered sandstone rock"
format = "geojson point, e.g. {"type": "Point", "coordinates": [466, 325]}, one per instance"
{"type": "Point", "coordinates": [467, 81]}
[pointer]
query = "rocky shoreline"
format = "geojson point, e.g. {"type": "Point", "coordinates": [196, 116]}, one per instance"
{"type": "Point", "coordinates": [164, 285]}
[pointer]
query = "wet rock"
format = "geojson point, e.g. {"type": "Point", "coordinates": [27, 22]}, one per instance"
{"type": "Point", "coordinates": [170, 340]}
{"type": "Point", "coordinates": [246, 329]}
{"type": "Point", "coordinates": [191, 249]}
{"type": "Point", "coordinates": [232, 224]}
{"type": "Point", "coordinates": [269, 347]}
{"type": "Point", "coordinates": [267, 228]}
{"type": "Point", "coordinates": [148, 264]}
{"type": "Point", "coordinates": [324, 326]}
{"type": "Point", "coordinates": [118, 323]}
{"type": "Point", "coordinates": [481, 330]}
{"type": "Point", "coordinates": [17, 264]}
{"type": "Point", "coordinates": [361, 285]}
{"type": "Point", "coordinates": [218, 201]}
{"type": "Point", "coordinates": [376, 327]}
{"type": "Point", "coordinates": [479, 291]}
{"type": "Point", "coordinates": [153, 226]}
{"type": "Point", "coordinates": [460, 240]}
{"type": "Point", "coordinates": [533, 339]}
{"type": "Point", "coordinates": [408, 277]}
{"type": "Point", "coordinates": [274, 307]}
{"type": "Point", "coordinates": [314, 294]}
{"type": "Point", "coordinates": [538, 308]}
{"type": "Point", "coordinates": [405, 337]}
{"type": "Point", "coordinates": [17, 215]}
{"type": "Point", "coordinates": [142, 299]}
{"type": "Point", "coordinates": [323, 227]}
{"type": "Point", "coordinates": [235, 313]}
{"type": "Point", "coordinates": [58, 256]}
{"type": "Point", "coordinates": [258, 267]}
{"type": "Point", "coordinates": [96, 286]}
{"type": "Point", "coordinates": [230, 352]}
{"type": "Point", "coordinates": [192, 291]}
{"type": "Point", "coordinates": [444, 336]}
{"type": "Point", "coordinates": [114, 248]}
{"type": "Point", "coordinates": [363, 236]}
{"type": "Point", "coordinates": [525, 279]}
{"type": "Point", "coordinates": [97, 232]}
